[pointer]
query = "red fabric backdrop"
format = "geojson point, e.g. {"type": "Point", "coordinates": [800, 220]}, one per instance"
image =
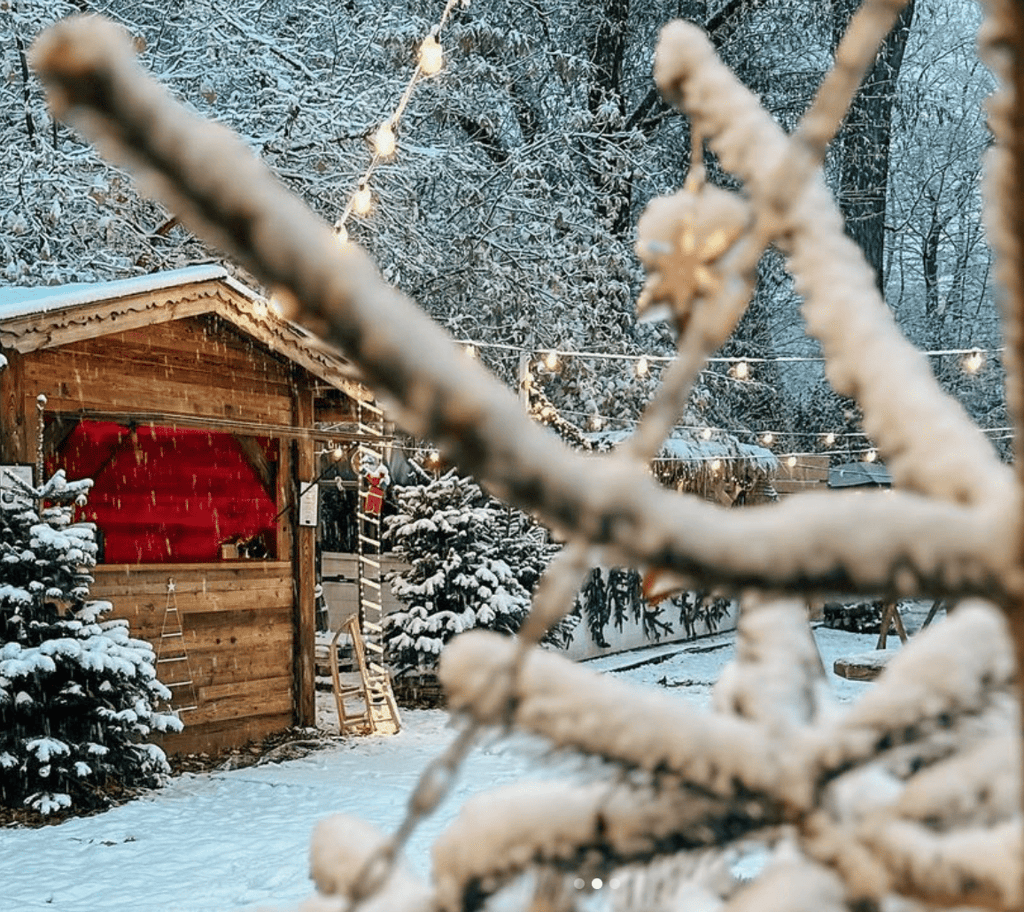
{"type": "Point", "coordinates": [164, 495]}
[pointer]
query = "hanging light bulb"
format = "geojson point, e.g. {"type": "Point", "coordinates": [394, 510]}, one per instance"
{"type": "Point", "coordinates": [341, 233]}
{"type": "Point", "coordinates": [706, 434]}
{"type": "Point", "coordinates": [596, 422]}
{"type": "Point", "coordinates": [871, 455]}
{"type": "Point", "coordinates": [337, 453]}
{"type": "Point", "coordinates": [716, 465]}
{"type": "Point", "coordinates": [431, 56]}
{"type": "Point", "coordinates": [551, 361]}
{"type": "Point", "coordinates": [384, 141]}
{"type": "Point", "coordinates": [643, 367]}
{"type": "Point", "coordinates": [433, 459]}
{"type": "Point", "coordinates": [974, 361]}
{"type": "Point", "coordinates": [791, 461]}
{"type": "Point", "coordinates": [741, 370]}
{"type": "Point", "coordinates": [829, 439]}
{"type": "Point", "coordinates": [470, 350]}
{"type": "Point", "coordinates": [362, 201]}
{"type": "Point", "coordinates": [768, 438]}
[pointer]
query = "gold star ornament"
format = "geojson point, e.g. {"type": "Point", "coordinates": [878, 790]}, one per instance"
{"type": "Point", "coordinates": [682, 238]}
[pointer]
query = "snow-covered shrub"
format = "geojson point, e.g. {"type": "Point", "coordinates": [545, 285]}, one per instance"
{"type": "Point", "coordinates": [77, 693]}
{"type": "Point", "coordinates": [472, 563]}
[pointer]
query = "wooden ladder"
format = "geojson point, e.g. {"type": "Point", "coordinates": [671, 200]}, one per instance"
{"type": "Point", "coordinates": [376, 712]}
{"type": "Point", "coordinates": [172, 657]}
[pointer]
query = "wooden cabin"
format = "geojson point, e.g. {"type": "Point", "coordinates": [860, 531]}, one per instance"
{"type": "Point", "coordinates": [193, 406]}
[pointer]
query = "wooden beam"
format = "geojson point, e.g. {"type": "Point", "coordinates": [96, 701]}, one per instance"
{"type": "Point", "coordinates": [257, 459]}
{"type": "Point", "coordinates": [16, 444]}
{"type": "Point", "coordinates": [222, 426]}
{"type": "Point", "coordinates": [304, 565]}
{"type": "Point", "coordinates": [56, 433]}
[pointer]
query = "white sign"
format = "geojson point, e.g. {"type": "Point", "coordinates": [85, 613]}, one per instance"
{"type": "Point", "coordinates": [309, 503]}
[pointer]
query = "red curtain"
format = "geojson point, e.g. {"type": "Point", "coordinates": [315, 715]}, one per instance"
{"type": "Point", "coordinates": [164, 495]}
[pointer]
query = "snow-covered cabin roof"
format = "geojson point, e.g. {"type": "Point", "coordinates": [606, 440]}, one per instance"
{"type": "Point", "coordinates": [37, 317]}
{"type": "Point", "coordinates": [851, 474]}
{"type": "Point", "coordinates": [690, 460]}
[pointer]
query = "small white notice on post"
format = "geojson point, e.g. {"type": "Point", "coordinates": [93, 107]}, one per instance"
{"type": "Point", "coordinates": [309, 503]}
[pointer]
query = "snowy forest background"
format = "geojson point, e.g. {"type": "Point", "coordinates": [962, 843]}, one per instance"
{"type": "Point", "coordinates": [509, 210]}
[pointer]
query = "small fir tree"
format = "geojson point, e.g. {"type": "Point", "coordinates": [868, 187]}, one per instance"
{"type": "Point", "coordinates": [459, 577]}
{"type": "Point", "coordinates": [77, 693]}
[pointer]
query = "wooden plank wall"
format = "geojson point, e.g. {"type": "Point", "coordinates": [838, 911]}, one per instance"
{"type": "Point", "coordinates": [239, 632]}
{"type": "Point", "coordinates": [198, 367]}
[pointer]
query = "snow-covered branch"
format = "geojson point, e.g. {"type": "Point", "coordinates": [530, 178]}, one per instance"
{"type": "Point", "coordinates": [940, 452]}
{"type": "Point", "coordinates": [212, 180]}
{"type": "Point", "coordinates": [586, 829]}
{"type": "Point", "coordinates": [576, 708]}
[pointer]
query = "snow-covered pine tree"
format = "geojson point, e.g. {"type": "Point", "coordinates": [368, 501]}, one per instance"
{"type": "Point", "coordinates": [450, 533]}
{"type": "Point", "coordinates": [77, 693]}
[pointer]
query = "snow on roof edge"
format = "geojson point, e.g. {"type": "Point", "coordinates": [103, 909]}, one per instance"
{"type": "Point", "coordinates": [20, 301]}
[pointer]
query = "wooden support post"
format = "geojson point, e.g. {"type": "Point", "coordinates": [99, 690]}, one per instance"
{"type": "Point", "coordinates": [304, 566]}
{"type": "Point", "coordinates": [17, 425]}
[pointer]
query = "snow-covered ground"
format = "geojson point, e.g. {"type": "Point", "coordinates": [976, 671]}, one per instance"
{"type": "Point", "coordinates": [238, 839]}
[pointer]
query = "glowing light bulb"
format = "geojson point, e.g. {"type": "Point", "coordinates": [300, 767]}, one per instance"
{"type": "Point", "coordinates": [643, 367]}
{"type": "Point", "coordinates": [341, 233]}
{"type": "Point", "coordinates": [716, 465]}
{"type": "Point", "coordinates": [768, 438]}
{"type": "Point", "coordinates": [596, 422]}
{"type": "Point", "coordinates": [433, 459]}
{"type": "Point", "coordinates": [362, 201]}
{"type": "Point", "coordinates": [706, 434]}
{"type": "Point", "coordinates": [384, 141]}
{"type": "Point", "coordinates": [871, 455]}
{"type": "Point", "coordinates": [741, 370]}
{"type": "Point", "coordinates": [337, 453]}
{"type": "Point", "coordinates": [829, 439]}
{"type": "Point", "coordinates": [791, 462]}
{"type": "Point", "coordinates": [974, 361]}
{"type": "Point", "coordinates": [470, 350]}
{"type": "Point", "coordinates": [551, 361]}
{"type": "Point", "coordinates": [431, 56]}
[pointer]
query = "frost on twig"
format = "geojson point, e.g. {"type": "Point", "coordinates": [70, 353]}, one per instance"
{"type": "Point", "coordinates": [777, 677]}
{"type": "Point", "coordinates": [588, 829]}
{"type": "Point", "coordinates": [576, 708]}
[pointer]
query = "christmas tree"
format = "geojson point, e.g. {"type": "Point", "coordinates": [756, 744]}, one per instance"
{"type": "Point", "coordinates": [77, 693]}
{"type": "Point", "coordinates": [456, 540]}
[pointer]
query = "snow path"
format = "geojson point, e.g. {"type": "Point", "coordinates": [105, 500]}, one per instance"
{"type": "Point", "coordinates": [231, 840]}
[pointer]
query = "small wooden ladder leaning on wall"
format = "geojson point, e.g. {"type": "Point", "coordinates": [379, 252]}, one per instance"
{"type": "Point", "coordinates": [375, 711]}
{"type": "Point", "coordinates": [172, 657]}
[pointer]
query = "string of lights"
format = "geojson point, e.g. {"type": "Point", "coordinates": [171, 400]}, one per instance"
{"type": "Point", "coordinates": [973, 358]}
{"type": "Point", "coordinates": [384, 139]}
